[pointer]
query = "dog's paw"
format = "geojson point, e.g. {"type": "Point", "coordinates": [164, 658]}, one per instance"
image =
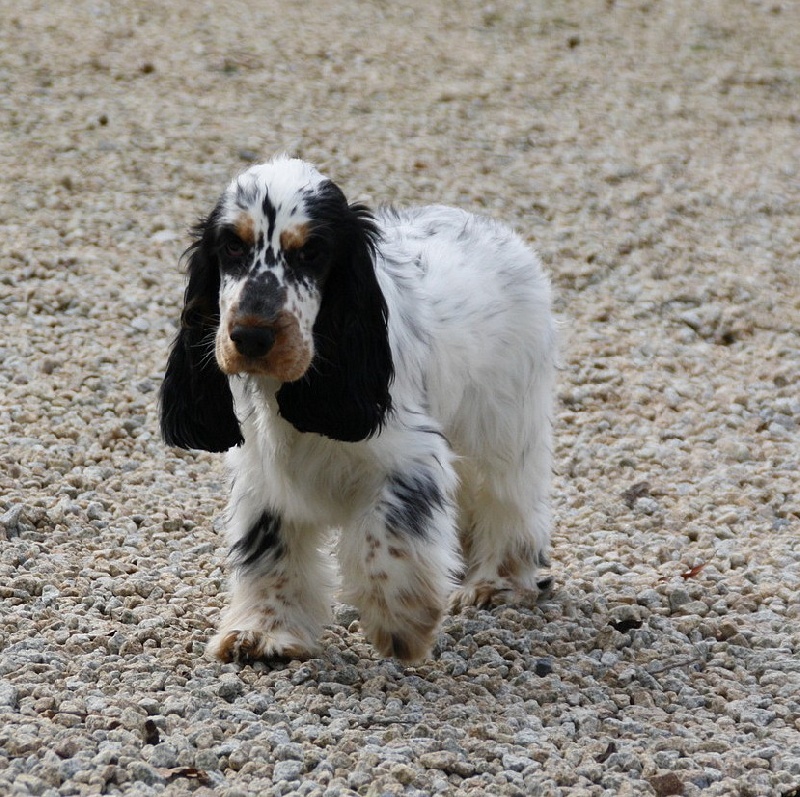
{"type": "Point", "coordinates": [480, 594]}
{"type": "Point", "coordinates": [409, 647]}
{"type": "Point", "coordinates": [408, 632]}
{"type": "Point", "coordinates": [496, 592]}
{"type": "Point", "coordinates": [246, 647]}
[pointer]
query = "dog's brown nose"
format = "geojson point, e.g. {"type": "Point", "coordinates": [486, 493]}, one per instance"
{"type": "Point", "coordinates": [252, 341]}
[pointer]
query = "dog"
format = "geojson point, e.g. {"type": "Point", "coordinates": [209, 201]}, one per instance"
{"type": "Point", "coordinates": [389, 374]}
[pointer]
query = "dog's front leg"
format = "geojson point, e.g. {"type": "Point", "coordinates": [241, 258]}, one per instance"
{"type": "Point", "coordinates": [400, 558]}
{"type": "Point", "coordinates": [280, 591]}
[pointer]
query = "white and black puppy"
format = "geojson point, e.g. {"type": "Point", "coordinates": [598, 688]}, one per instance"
{"type": "Point", "coordinates": [386, 374]}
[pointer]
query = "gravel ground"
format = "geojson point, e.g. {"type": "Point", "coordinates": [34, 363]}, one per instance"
{"type": "Point", "coordinates": [650, 150]}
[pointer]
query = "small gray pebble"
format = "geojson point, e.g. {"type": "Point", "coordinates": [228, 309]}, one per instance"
{"type": "Point", "coordinates": [289, 770]}
{"type": "Point", "coordinates": [144, 773]}
{"type": "Point", "coordinates": [678, 597]}
{"type": "Point", "coordinates": [230, 687]}
{"type": "Point", "coordinates": [344, 615]}
{"type": "Point", "coordinates": [206, 759]}
{"type": "Point", "coordinates": [9, 695]}
{"type": "Point", "coordinates": [164, 756]}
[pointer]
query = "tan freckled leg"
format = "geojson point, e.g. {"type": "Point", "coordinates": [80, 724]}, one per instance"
{"type": "Point", "coordinates": [400, 578]}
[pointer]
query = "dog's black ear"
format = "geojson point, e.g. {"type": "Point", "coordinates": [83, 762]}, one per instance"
{"type": "Point", "coordinates": [196, 401]}
{"type": "Point", "coordinates": [345, 395]}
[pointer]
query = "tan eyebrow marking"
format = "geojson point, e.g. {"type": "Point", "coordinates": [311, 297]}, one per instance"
{"type": "Point", "coordinates": [245, 229]}
{"type": "Point", "coordinates": [294, 237]}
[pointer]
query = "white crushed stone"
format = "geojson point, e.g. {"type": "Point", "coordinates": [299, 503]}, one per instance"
{"type": "Point", "coordinates": [650, 150]}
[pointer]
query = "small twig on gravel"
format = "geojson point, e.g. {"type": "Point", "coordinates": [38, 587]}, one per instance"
{"type": "Point", "coordinates": [650, 670]}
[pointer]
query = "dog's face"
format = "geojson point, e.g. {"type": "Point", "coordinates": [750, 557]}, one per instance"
{"type": "Point", "coordinates": [274, 252]}
{"type": "Point", "coordinates": [282, 284]}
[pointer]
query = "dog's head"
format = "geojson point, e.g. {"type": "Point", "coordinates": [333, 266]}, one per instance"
{"type": "Point", "coordinates": [281, 285]}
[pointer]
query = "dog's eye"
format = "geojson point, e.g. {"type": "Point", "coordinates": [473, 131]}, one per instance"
{"type": "Point", "coordinates": [312, 254]}
{"type": "Point", "coordinates": [233, 248]}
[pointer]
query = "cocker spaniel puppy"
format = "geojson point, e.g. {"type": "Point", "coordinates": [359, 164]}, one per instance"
{"type": "Point", "coordinates": [386, 374]}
